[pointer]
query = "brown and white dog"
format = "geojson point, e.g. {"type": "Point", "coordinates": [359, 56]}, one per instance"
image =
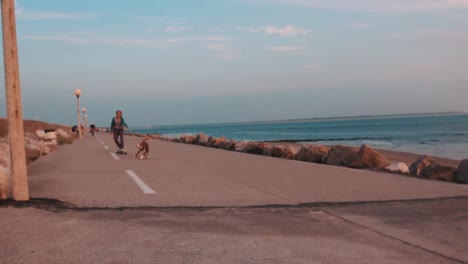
{"type": "Point", "coordinates": [143, 149]}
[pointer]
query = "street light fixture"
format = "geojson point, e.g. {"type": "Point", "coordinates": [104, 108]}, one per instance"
{"type": "Point", "coordinates": [85, 119]}
{"type": "Point", "coordinates": [78, 93]}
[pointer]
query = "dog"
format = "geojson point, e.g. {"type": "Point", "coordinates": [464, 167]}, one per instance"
{"type": "Point", "coordinates": [143, 149]}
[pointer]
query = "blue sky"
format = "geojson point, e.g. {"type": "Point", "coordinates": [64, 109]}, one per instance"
{"type": "Point", "coordinates": [206, 61]}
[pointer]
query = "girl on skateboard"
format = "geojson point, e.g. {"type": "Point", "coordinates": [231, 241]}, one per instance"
{"type": "Point", "coordinates": [117, 128]}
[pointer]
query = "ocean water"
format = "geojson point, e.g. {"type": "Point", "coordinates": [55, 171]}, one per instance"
{"type": "Point", "coordinates": [438, 135]}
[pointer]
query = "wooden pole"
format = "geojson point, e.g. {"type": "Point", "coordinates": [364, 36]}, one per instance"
{"type": "Point", "coordinates": [19, 177]}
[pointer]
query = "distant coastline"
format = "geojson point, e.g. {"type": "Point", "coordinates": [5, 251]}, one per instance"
{"type": "Point", "coordinates": [361, 117]}
{"type": "Point", "coordinates": [313, 119]}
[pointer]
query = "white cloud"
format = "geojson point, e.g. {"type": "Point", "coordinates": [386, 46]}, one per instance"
{"type": "Point", "coordinates": [216, 29]}
{"type": "Point", "coordinates": [161, 19]}
{"type": "Point", "coordinates": [284, 48]}
{"type": "Point", "coordinates": [198, 39]}
{"type": "Point", "coordinates": [223, 51]}
{"type": "Point", "coordinates": [285, 31]}
{"type": "Point", "coordinates": [141, 18]}
{"type": "Point", "coordinates": [229, 56]}
{"type": "Point", "coordinates": [166, 24]}
{"type": "Point", "coordinates": [94, 40]}
{"type": "Point", "coordinates": [22, 13]}
{"type": "Point", "coordinates": [312, 66]}
{"type": "Point", "coordinates": [395, 36]}
{"type": "Point", "coordinates": [357, 25]}
{"type": "Point", "coordinates": [431, 36]}
{"type": "Point", "coordinates": [218, 47]}
{"type": "Point", "coordinates": [177, 29]}
{"type": "Point", "coordinates": [381, 5]}
{"type": "Point", "coordinates": [124, 42]}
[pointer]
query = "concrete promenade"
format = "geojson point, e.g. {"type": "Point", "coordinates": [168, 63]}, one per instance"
{"type": "Point", "coordinates": [191, 204]}
{"type": "Point", "coordinates": [86, 174]}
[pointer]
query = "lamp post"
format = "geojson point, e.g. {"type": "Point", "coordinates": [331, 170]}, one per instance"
{"type": "Point", "coordinates": [78, 93]}
{"type": "Point", "coordinates": [85, 119]}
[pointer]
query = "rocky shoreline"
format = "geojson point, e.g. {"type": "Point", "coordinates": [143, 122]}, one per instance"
{"type": "Point", "coordinates": [44, 140]}
{"type": "Point", "coordinates": [364, 157]}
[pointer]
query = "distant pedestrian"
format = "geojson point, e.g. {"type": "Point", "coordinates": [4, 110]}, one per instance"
{"type": "Point", "coordinates": [117, 128]}
{"type": "Point", "coordinates": [92, 129]}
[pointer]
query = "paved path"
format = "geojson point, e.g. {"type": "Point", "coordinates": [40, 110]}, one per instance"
{"type": "Point", "coordinates": [86, 174]}
{"type": "Point", "coordinates": [190, 204]}
{"type": "Point", "coordinates": [241, 235]}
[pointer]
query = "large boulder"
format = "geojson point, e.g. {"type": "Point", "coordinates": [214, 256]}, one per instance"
{"type": "Point", "coordinates": [4, 183]}
{"type": "Point", "coordinates": [51, 145]}
{"type": "Point", "coordinates": [285, 152]}
{"type": "Point", "coordinates": [240, 146]}
{"type": "Point", "coordinates": [165, 138]}
{"type": "Point", "coordinates": [211, 141]}
{"type": "Point", "coordinates": [266, 149]}
{"type": "Point", "coordinates": [31, 135]}
{"type": "Point", "coordinates": [417, 166]}
{"type": "Point", "coordinates": [32, 152]}
{"type": "Point", "coordinates": [202, 139]}
{"type": "Point", "coordinates": [253, 148]}
{"type": "Point", "coordinates": [128, 133]}
{"type": "Point", "coordinates": [461, 175]}
{"type": "Point", "coordinates": [188, 139]}
{"type": "Point", "coordinates": [182, 139]}
{"type": "Point", "coordinates": [45, 147]}
{"type": "Point", "coordinates": [277, 151]}
{"type": "Point", "coordinates": [368, 158]}
{"type": "Point", "coordinates": [223, 143]}
{"type": "Point", "coordinates": [248, 147]}
{"type": "Point", "coordinates": [230, 145]}
{"type": "Point", "coordinates": [289, 152]}
{"type": "Point", "coordinates": [156, 136]}
{"type": "Point", "coordinates": [438, 172]}
{"type": "Point", "coordinates": [220, 143]}
{"type": "Point", "coordinates": [50, 136]}
{"type": "Point", "coordinates": [341, 156]}
{"type": "Point", "coordinates": [4, 154]}
{"type": "Point", "coordinates": [63, 133]}
{"type": "Point", "coordinates": [398, 167]}
{"type": "Point", "coordinates": [312, 153]}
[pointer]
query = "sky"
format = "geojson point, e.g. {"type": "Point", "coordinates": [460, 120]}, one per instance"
{"type": "Point", "coordinates": [209, 61]}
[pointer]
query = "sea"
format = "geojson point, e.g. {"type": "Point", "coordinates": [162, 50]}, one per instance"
{"type": "Point", "coordinates": [438, 134]}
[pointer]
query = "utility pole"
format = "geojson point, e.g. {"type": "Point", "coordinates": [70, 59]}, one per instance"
{"type": "Point", "coordinates": [19, 177]}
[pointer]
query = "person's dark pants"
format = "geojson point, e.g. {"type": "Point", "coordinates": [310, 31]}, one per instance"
{"type": "Point", "coordinates": [119, 134]}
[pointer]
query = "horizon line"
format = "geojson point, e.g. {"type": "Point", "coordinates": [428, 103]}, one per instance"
{"type": "Point", "coordinates": [332, 118]}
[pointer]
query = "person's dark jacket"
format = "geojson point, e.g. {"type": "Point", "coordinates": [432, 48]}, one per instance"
{"type": "Point", "coordinates": [113, 124]}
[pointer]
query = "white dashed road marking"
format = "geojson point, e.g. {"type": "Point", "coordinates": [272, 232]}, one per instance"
{"type": "Point", "coordinates": [143, 186]}
{"type": "Point", "coordinates": [115, 156]}
{"type": "Point", "coordinates": [146, 189]}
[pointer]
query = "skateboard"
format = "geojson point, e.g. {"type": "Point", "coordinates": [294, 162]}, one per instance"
{"type": "Point", "coordinates": [121, 152]}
